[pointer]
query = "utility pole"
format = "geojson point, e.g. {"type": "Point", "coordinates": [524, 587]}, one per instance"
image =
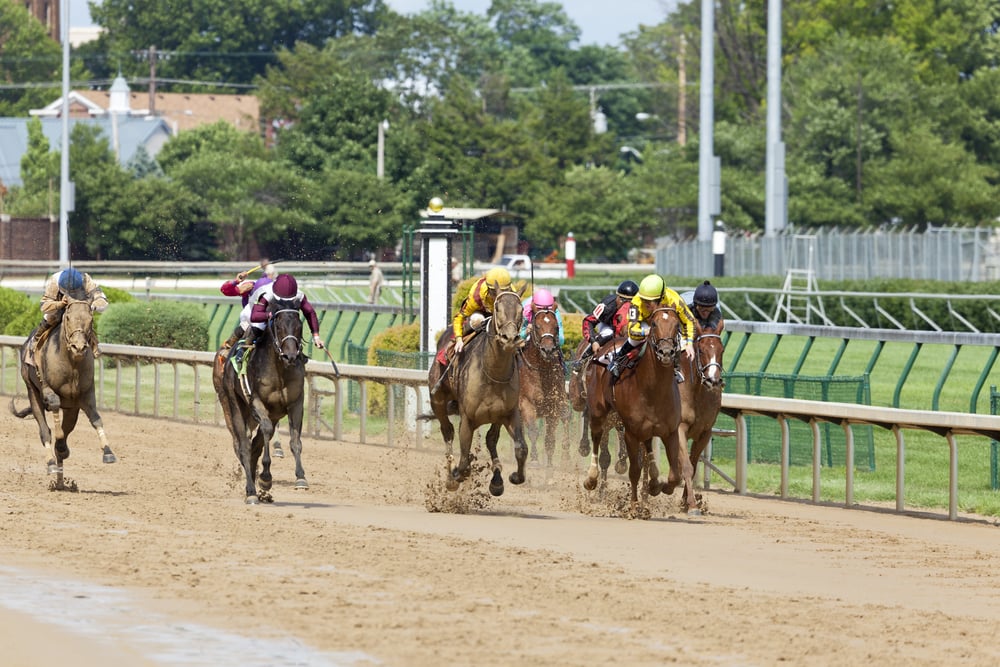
{"type": "Point", "coordinates": [682, 93]}
{"type": "Point", "coordinates": [152, 81]}
{"type": "Point", "coordinates": [65, 186]}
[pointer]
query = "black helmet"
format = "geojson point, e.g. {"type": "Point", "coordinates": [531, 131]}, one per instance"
{"type": "Point", "coordinates": [627, 289]}
{"type": "Point", "coordinates": [706, 295]}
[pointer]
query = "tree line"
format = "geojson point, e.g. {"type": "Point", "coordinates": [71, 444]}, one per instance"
{"type": "Point", "coordinates": [890, 115]}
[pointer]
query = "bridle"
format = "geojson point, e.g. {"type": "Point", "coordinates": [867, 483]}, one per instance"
{"type": "Point", "coordinates": [497, 327]}
{"type": "Point", "coordinates": [278, 342]}
{"type": "Point", "coordinates": [703, 368]}
{"type": "Point", "coordinates": [67, 333]}
{"type": "Point", "coordinates": [658, 341]}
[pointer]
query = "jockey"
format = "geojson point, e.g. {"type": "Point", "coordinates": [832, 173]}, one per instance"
{"type": "Point", "coordinates": [283, 288]}
{"type": "Point", "coordinates": [599, 326]}
{"type": "Point", "coordinates": [541, 299]}
{"type": "Point", "coordinates": [250, 292]}
{"type": "Point", "coordinates": [704, 303]}
{"type": "Point", "coordinates": [476, 307]}
{"type": "Point", "coordinates": [60, 287]}
{"type": "Point", "coordinates": [653, 293]}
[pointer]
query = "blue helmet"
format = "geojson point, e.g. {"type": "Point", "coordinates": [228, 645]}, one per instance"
{"type": "Point", "coordinates": [70, 280]}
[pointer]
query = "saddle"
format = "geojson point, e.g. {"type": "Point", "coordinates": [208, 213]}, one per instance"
{"type": "Point", "coordinates": [33, 350]}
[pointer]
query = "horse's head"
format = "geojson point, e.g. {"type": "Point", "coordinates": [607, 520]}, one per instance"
{"type": "Point", "coordinates": [507, 319]}
{"type": "Point", "coordinates": [545, 332]}
{"type": "Point", "coordinates": [77, 325]}
{"type": "Point", "coordinates": [664, 334]}
{"type": "Point", "coordinates": [708, 350]}
{"type": "Point", "coordinates": [285, 325]}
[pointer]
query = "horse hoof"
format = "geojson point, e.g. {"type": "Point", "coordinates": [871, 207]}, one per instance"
{"type": "Point", "coordinates": [584, 449]}
{"type": "Point", "coordinates": [694, 512]}
{"type": "Point", "coordinates": [516, 477]}
{"type": "Point", "coordinates": [590, 483]}
{"type": "Point", "coordinates": [252, 500]}
{"type": "Point", "coordinates": [668, 488]}
{"type": "Point", "coordinates": [109, 456]}
{"type": "Point", "coordinates": [279, 453]}
{"type": "Point", "coordinates": [451, 485]}
{"type": "Point", "coordinates": [654, 488]}
{"type": "Point", "coordinates": [301, 484]}
{"type": "Point", "coordinates": [621, 467]}
{"type": "Point", "coordinates": [54, 469]}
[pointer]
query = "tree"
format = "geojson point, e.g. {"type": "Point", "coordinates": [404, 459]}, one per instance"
{"type": "Point", "coordinates": [230, 41]}
{"type": "Point", "coordinates": [39, 194]}
{"type": "Point", "coordinates": [27, 56]}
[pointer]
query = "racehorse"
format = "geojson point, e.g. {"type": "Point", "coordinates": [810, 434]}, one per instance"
{"type": "Point", "coordinates": [484, 383]}
{"type": "Point", "coordinates": [701, 395]}
{"type": "Point", "coordinates": [543, 388]}
{"type": "Point", "coordinates": [578, 401]}
{"type": "Point", "coordinates": [647, 402]}
{"type": "Point", "coordinates": [67, 364]}
{"type": "Point", "coordinates": [275, 375]}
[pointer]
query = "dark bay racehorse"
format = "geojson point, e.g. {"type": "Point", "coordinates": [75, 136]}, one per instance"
{"type": "Point", "coordinates": [485, 384]}
{"type": "Point", "coordinates": [701, 395]}
{"type": "Point", "coordinates": [543, 387]}
{"type": "Point", "coordinates": [276, 377]}
{"type": "Point", "coordinates": [67, 364]}
{"type": "Point", "coordinates": [648, 404]}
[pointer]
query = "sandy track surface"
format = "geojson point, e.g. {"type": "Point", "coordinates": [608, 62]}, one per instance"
{"type": "Point", "coordinates": [361, 572]}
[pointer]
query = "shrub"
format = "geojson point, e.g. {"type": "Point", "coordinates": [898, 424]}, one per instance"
{"type": "Point", "coordinates": [403, 338]}
{"type": "Point", "coordinates": [16, 312]}
{"type": "Point", "coordinates": [180, 326]}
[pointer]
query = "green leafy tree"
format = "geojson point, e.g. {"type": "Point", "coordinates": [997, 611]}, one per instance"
{"type": "Point", "coordinates": [229, 41]}
{"type": "Point", "coordinates": [27, 55]}
{"type": "Point", "coordinates": [39, 194]}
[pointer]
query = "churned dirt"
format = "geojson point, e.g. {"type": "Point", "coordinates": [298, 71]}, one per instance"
{"type": "Point", "coordinates": [377, 564]}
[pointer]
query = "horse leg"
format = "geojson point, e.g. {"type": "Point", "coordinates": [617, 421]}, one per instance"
{"type": "Point", "coordinates": [295, 444]}
{"type": "Point", "coordinates": [605, 457]}
{"type": "Point", "coordinates": [584, 440]}
{"type": "Point", "coordinates": [439, 408]}
{"type": "Point", "coordinates": [496, 479]}
{"type": "Point", "coordinates": [636, 453]}
{"type": "Point", "coordinates": [621, 465]}
{"type": "Point", "coordinates": [550, 440]}
{"type": "Point", "coordinates": [531, 431]}
{"type": "Point", "coordinates": [596, 433]}
{"type": "Point", "coordinates": [60, 448]}
{"type": "Point", "coordinates": [680, 470]}
{"type": "Point", "coordinates": [516, 430]}
{"type": "Point", "coordinates": [652, 469]}
{"type": "Point", "coordinates": [461, 472]}
{"type": "Point", "coordinates": [259, 451]}
{"type": "Point", "coordinates": [90, 409]}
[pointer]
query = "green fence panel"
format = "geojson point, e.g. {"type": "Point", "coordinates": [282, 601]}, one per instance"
{"type": "Point", "coordinates": [358, 354]}
{"type": "Point", "coordinates": [764, 433]}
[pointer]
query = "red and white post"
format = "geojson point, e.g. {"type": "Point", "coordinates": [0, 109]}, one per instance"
{"type": "Point", "coordinates": [570, 255]}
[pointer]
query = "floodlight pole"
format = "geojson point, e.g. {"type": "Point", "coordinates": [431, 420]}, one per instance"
{"type": "Point", "coordinates": [65, 187]}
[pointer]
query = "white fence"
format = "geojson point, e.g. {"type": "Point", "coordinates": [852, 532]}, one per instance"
{"type": "Point", "coordinates": [131, 380]}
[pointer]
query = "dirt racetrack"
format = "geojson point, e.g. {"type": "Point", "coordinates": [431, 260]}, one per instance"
{"type": "Point", "coordinates": [357, 571]}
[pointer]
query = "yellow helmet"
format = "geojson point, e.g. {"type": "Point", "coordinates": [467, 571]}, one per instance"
{"type": "Point", "coordinates": [651, 288]}
{"type": "Point", "coordinates": [498, 278]}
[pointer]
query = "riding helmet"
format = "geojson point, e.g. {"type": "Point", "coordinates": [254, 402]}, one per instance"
{"type": "Point", "coordinates": [651, 287]}
{"type": "Point", "coordinates": [542, 298]}
{"type": "Point", "coordinates": [706, 295]}
{"type": "Point", "coordinates": [70, 280]}
{"type": "Point", "coordinates": [285, 286]}
{"type": "Point", "coordinates": [498, 278]}
{"type": "Point", "coordinates": [627, 289]}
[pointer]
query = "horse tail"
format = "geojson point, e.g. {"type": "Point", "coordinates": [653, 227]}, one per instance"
{"type": "Point", "coordinates": [20, 414]}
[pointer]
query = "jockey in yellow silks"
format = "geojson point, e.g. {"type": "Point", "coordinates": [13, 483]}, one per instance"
{"type": "Point", "coordinates": [653, 294]}
{"type": "Point", "coordinates": [482, 296]}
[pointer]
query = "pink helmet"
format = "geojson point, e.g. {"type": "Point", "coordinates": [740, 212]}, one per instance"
{"type": "Point", "coordinates": [542, 298]}
{"type": "Point", "coordinates": [285, 286]}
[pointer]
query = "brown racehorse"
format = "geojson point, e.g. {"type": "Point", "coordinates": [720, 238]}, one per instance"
{"type": "Point", "coordinates": [484, 383]}
{"type": "Point", "coordinates": [543, 387]}
{"type": "Point", "coordinates": [276, 377]}
{"type": "Point", "coordinates": [578, 400]}
{"type": "Point", "coordinates": [648, 404]}
{"type": "Point", "coordinates": [701, 395]}
{"type": "Point", "coordinates": [68, 367]}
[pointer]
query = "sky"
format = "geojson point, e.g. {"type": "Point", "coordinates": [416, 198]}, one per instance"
{"type": "Point", "coordinates": [600, 21]}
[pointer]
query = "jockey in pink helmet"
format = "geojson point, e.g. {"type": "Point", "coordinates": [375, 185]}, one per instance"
{"type": "Point", "coordinates": [541, 299]}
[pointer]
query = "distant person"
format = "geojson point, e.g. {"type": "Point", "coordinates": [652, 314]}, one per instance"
{"type": "Point", "coordinates": [375, 282]}
{"type": "Point", "coordinates": [456, 272]}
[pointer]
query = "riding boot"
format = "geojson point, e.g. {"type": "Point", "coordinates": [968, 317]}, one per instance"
{"type": "Point", "coordinates": [587, 354]}
{"type": "Point", "coordinates": [241, 349]}
{"type": "Point", "coordinates": [237, 334]}
{"type": "Point", "coordinates": [616, 365]}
